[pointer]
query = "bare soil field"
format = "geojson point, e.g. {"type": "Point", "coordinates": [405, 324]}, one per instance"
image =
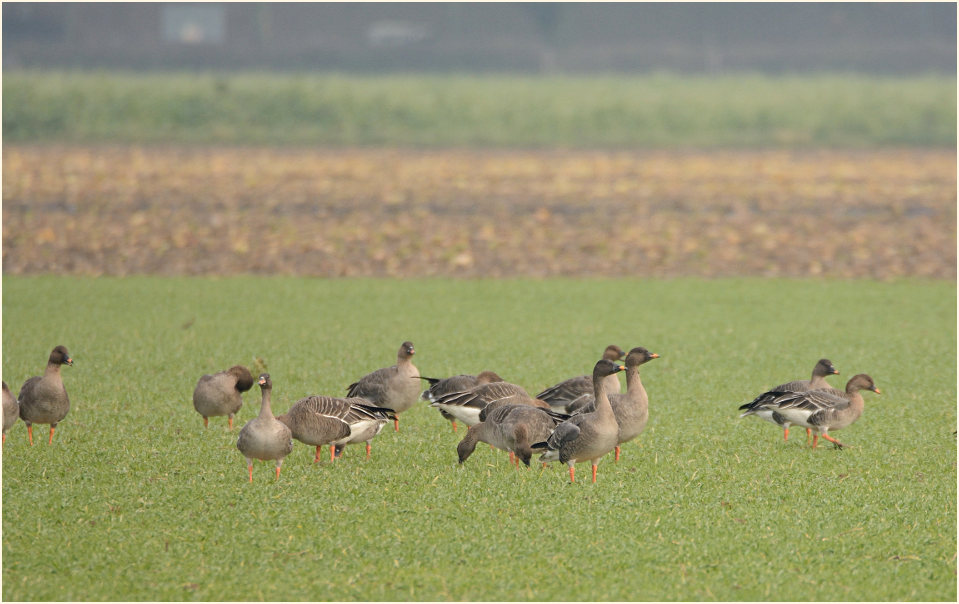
{"type": "Point", "coordinates": [118, 210]}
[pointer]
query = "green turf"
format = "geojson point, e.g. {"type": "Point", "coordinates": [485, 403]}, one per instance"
{"type": "Point", "coordinates": [652, 111]}
{"type": "Point", "coordinates": [137, 501]}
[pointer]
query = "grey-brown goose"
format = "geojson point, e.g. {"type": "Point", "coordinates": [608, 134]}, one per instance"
{"type": "Point", "coordinates": [630, 408]}
{"type": "Point", "coordinates": [44, 400]}
{"type": "Point", "coordinates": [467, 406]}
{"type": "Point", "coordinates": [396, 387]}
{"type": "Point", "coordinates": [821, 410]}
{"type": "Point", "coordinates": [587, 436]}
{"type": "Point", "coordinates": [263, 437]}
{"type": "Point", "coordinates": [760, 407]}
{"type": "Point", "coordinates": [567, 392]}
{"type": "Point", "coordinates": [457, 383]}
{"type": "Point", "coordinates": [11, 410]}
{"type": "Point", "coordinates": [327, 420]}
{"type": "Point", "coordinates": [221, 393]}
{"type": "Point", "coordinates": [512, 428]}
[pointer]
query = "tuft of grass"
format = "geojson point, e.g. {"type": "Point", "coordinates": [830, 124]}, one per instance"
{"type": "Point", "coordinates": [653, 111]}
{"type": "Point", "coordinates": [703, 505]}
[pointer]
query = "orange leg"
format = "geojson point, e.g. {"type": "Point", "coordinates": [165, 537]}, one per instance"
{"type": "Point", "coordinates": [316, 458]}
{"type": "Point", "coordinates": [833, 440]}
{"type": "Point", "coordinates": [4, 438]}
{"type": "Point", "coordinates": [332, 452]}
{"type": "Point", "coordinates": [230, 421]}
{"type": "Point", "coordinates": [368, 449]}
{"type": "Point", "coordinates": [594, 472]}
{"type": "Point", "coordinates": [815, 441]}
{"type": "Point", "coordinates": [454, 425]}
{"type": "Point", "coordinates": [250, 465]}
{"type": "Point", "coordinates": [808, 435]}
{"type": "Point", "coordinates": [396, 424]}
{"type": "Point", "coordinates": [30, 434]}
{"type": "Point", "coordinates": [617, 453]}
{"type": "Point", "coordinates": [278, 470]}
{"type": "Point", "coordinates": [572, 474]}
{"type": "Point", "coordinates": [512, 458]}
{"type": "Point", "coordinates": [785, 433]}
{"type": "Point", "coordinates": [52, 428]}
{"type": "Point", "coordinates": [206, 422]}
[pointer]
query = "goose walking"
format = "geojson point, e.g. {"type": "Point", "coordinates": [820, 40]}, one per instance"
{"type": "Point", "coordinates": [761, 408]}
{"type": "Point", "coordinates": [396, 387]}
{"type": "Point", "coordinates": [44, 400]}
{"type": "Point", "coordinates": [822, 410]}
{"type": "Point", "coordinates": [630, 408]}
{"type": "Point", "coordinates": [587, 436]}
{"type": "Point", "coordinates": [512, 428]}
{"type": "Point", "coordinates": [263, 437]}
{"type": "Point", "coordinates": [325, 420]}
{"type": "Point", "coordinates": [457, 383]}
{"type": "Point", "coordinates": [560, 396]}
{"type": "Point", "coordinates": [221, 393]}
{"type": "Point", "coordinates": [11, 410]}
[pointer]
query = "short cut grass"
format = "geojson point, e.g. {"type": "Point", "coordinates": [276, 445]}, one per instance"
{"type": "Point", "coordinates": [135, 500]}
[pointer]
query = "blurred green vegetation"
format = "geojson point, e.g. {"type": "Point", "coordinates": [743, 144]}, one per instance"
{"type": "Point", "coordinates": [654, 111]}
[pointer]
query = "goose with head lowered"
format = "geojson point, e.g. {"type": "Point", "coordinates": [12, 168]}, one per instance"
{"type": "Point", "coordinates": [221, 393]}
{"type": "Point", "coordinates": [327, 420]}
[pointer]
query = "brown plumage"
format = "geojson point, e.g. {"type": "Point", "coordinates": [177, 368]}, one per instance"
{"type": "Point", "coordinates": [44, 400]}
{"type": "Point", "coordinates": [263, 437]}
{"type": "Point", "coordinates": [327, 420]}
{"type": "Point", "coordinates": [512, 428]}
{"type": "Point", "coordinates": [457, 383]}
{"type": "Point", "coordinates": [396, 387]}
{"type": "Point", "coordinates": [221, 393]}
{"type": "Point", "coordinates": [560, 396]}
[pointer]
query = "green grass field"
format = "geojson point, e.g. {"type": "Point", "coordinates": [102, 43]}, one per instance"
{"type": "Point", "coordinates": [654, 111]}
{"type": "Point", "coordinates": [135, 500]}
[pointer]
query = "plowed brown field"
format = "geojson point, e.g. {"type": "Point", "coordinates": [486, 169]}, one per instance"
{"type": "Point", "coordinates": [398, 213]}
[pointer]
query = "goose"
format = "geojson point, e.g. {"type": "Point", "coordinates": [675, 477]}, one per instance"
{"type": "Point", "coordinates": [821, 410]}
{"type": "Point", "coordinates": [322, 420]}
{"type": "Point", "coordinates": [44, 400]}
{"type": "Point", "coordinates": [561, 395]}
{"type": "Point", "coordinates": [220, 393]}
{"type": "Point", "coordinates": [457, 383]}
{"type": "Point", "coordinates": [467, 406]}
{"type": "Point", "coordinates": [11, 410]}
{"type": "Point", "coordinates": [396, 387]}
{"type": "Point", "coordinates": [758, 406]}
{"type": "Point", "coordinates": [511, 428]}
{"type": "Point", "coordinates": [587, 436]}
{"type": "Point", "coordinates": [630, 408]}
{"type": "Point", "coordinates": [263, 437]}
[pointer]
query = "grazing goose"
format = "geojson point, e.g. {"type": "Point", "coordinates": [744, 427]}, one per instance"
{"type": "Point", "coordinates": [758, 406]}
{"type": "Point", "coordinates": [467, 406]}
{"type": "Point", "coordinates": [565, 393]}
{"type": "Point", "coordinates": [220, 393]}
{"type": "Point", "coordinates": [511, 428]}
{"type": "Point", "coordinates": [821, 410]}
{"type": "Point", "coordinates": [263, 437]}
{"type": "Point", "coordinates": [457, 383]}
{"type": "Point", "coordinates": [587, 436]}
{"type": "Point", "coordinates": [44, 400]}
{"type": "Point", "coordinates": [632, 408]}
{"type": "Point", "coordinates": [326, 420]}
{"type": "Point", "coordinates": [394, 388]}
{"type": "Point", "coordinates": [11, 410]}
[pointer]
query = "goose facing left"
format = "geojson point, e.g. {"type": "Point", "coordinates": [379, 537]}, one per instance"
{"type": "Point", "coordinates": [263, 437]}
{"type": "Point", "coordinates": [44, 400]}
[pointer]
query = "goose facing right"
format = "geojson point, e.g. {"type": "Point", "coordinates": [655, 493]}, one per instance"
{"type": "Point", "coordinates": [263, 437]}
{"type": "Point", "coordinates": [560, 396]}
{"type": "Point", "coordinates": [44, 400]}
{"type": "Point", "coordinates": [587, 436]}
{"type": "Point", "coordinates": [761, 407]}
{"type": "Point", "coordinates": [396, 387]}
{"type": "Point", "coordinates": [11, 410]}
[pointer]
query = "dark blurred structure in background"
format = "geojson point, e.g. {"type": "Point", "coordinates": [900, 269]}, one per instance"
{"type": "Point", "coordinates": [475, 37]}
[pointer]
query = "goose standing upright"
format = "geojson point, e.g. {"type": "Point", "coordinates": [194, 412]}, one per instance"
{"type": "Point", "coordinates": [560, 396]}
{"type": "Point", "coordinates": [396, 387]}
{"type": "Point", "coordinates": [587, 436]}
{"type": "Point", "coordinates": [263, 437]}
{"type": "Point", "coordinates": [11, 410]}
{"type": "Point", "coordinates": [221, 393]}
{"type": "Point", "coordinates": [821, 410]}
{"type": "Point", "coordinates": [761, 408]}
{"type": "Point", "coordinates": [630, 408]}
{"type": "Point", "coordinates": [44, 400]}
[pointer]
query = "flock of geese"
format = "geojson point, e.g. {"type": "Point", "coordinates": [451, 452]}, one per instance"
{"type": "Point", "coordinates": [579, 419]}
